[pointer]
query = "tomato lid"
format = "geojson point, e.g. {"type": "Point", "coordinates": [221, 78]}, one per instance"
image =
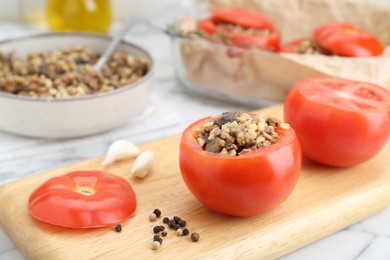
{"type": "Point", "coordinates": [242, 17]}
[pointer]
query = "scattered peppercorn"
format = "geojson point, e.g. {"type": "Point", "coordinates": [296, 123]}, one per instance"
{"type": "Point", "coordinates": [166, 220]}
{"type": "Point", "coordinates": [176, 223]}
{"type": "Point", "coordinates": [118, 228]}
{"type": "Point", "coordinates": [157, 212]}
{"type": "Point", "coordinates": [182, 223]}
{"type": "Point", "coordinates": [195, 237]}
{"type": "Point", "coordinates": [156, 229]}
{"type": "Point", "coordinates": [155, 245]}
{"type": "Point", "coordinates": [172, 223]}
{"type": "Point", "coordinates": [152, 217]}
{"type": "Point", "coordinates": [157, 238]}
{"type": "Point", "coordinates": [185, 232]}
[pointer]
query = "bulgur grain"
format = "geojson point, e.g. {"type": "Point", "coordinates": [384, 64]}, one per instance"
{"type": "Point", "coordinates": [67, 72]}
{"type": "Point", "coordinates": [236, 133]}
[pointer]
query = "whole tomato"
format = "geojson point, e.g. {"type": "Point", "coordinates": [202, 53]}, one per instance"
{"type": "Point", "coordinates": [339, 122]}
{"type": "Point", "coordinates": [244, 185]}
{"type": "Point", "coordinates": [83, 199]}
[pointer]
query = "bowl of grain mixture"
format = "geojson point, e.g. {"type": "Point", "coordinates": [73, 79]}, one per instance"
{"type": "Point", "coordinates": [49, 88]}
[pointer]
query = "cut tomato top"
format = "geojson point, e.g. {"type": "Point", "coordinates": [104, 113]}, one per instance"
{"type": "Point", "coordinates": [242, 17]}
{"type": "Point", "coordinates": [83, 199]}
{"type": "Point", "coordinates": [347, 40]}
{"type": "Point", "coordinates": [347, 94]}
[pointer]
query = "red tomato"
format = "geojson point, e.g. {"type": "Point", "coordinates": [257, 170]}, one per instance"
{"type": "Point", "coordinates": [347, 40]}
{"type": "Point", "coordinates": [242, 17]}
{"type": "Point", "coordinates": [83, 199]}
{"type": "Point", "coordinates": [244, 185]}
{"type": "Point", "coordinates": [339, 122]}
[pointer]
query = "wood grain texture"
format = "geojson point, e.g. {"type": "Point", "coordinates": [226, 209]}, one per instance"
{"type": "Point", "coordinates": [325, 200]}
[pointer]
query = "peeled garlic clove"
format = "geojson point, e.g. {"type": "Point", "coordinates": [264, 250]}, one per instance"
{"type": "Point", "coordinates": [143, 164]}
{"type": "Point", "coordinates": [119, 150]}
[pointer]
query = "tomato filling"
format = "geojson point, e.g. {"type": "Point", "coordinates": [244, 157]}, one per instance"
{"type": "Point", "coordinates": [236, 133]}
{"type": "Point", "coordinates": [234, 28]}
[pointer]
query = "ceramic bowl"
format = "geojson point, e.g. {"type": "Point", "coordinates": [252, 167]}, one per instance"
{"type": "Point", "coordinates": [75, 116]}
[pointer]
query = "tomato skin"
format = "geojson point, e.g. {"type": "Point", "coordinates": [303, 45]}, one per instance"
{"type": "Point", "coordinates": [333, 135]}
{"type": "Point", "coordinates": [245, 185]}
{"type": "Point", "coordinates": [347, 40]}
{"type": "Point", "coordinates": [58, 202]}
{"type": "Point", "coordinates": [208, 26]}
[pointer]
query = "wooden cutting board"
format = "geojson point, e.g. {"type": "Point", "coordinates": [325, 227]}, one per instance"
{"type": "Point", "coordinates": [325, 200]}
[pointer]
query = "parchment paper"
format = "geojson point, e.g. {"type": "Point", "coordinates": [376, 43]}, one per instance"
{"type": "Point", "coordinates": [266, 75]}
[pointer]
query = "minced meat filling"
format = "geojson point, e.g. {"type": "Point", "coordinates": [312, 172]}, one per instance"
{"type": "Point", "coordinates": [240, 29]}
{"type": "Point", "coordinates": [67, 72]}
{"type": "Point", "coordinates": [236, 133]}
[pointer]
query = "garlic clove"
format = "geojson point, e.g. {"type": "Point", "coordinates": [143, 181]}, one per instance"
{"type": "Point", "coordinates": [119, 150]}
{"type": "Point", "coordinates": [143, 164]}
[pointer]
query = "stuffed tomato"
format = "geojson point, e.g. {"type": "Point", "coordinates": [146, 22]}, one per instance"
{"type": "Point", "coordinates": [241, 28]}
{"type": "Point", "coordinates": [339, 122]}
{"type": "Point", "coordinates": [240, 164]}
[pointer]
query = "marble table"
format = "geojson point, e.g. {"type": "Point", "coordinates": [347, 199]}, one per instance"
{"type": "Point", "coordinates": [170, 110]}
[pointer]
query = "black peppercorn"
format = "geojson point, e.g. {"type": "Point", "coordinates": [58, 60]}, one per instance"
{"type": "Point", "coordinates": [156, 229]}
{"type": "Point", "coordinates": [118, 228]}
{"type": "Point", "coordinates": [162, 228]}
{"type": "Point", "coordinates": [164, 234]}
{"type": "Point", "coordinates": [195, 237]}
{"type": "Point", "coordinates": [158, 239]}
{"type": "Point", "coordinates": [157, 212]}
{"type": "Point", "coordinates": [166, 220]}
{"type": "Point", "coordinates": [172, 223]}
{"type": "Point", "coordinates": [182, 223]}
{"type": "Point", "coordinates": [185, 232]}
{"type": "Point", "coordinates": [176, 219]}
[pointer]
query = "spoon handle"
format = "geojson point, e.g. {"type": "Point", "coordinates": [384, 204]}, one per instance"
{"type": "Point", "coordinates": [114, 43]}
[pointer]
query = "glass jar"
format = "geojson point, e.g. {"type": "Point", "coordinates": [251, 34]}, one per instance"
{"type": "Point", "coordinates": [79, 15]}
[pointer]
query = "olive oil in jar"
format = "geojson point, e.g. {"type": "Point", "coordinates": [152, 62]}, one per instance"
{"type": "Point", "coordinates": [79, 15]}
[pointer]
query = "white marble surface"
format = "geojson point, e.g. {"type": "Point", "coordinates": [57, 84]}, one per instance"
{"type": "Point", "coordinates": [170, 111]}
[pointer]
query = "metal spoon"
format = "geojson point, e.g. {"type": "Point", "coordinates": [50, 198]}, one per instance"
{"type": "Point", "coordinates": [114, 43]}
